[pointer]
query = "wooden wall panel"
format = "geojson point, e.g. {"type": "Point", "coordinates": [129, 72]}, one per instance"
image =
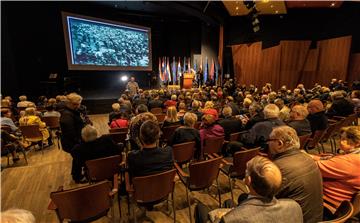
{"type": "Point", "coordinates": [354, 68]}
{"type": "Point", "coordinates": [270, 66]}
{"type": "Point", "coordinates": [308, 76]}
{"type": "Point", "coordinates": [333, 59]}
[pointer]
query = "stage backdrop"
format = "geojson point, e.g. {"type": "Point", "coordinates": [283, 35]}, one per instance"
{"type": "Point", "coordinates": [293, 62]}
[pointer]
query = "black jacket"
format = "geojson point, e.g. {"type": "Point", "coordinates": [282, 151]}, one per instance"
{"type": "Point", "coordinates": [318, 121]}
{"type": "Point", "coordinates": [301, 182]}
{"type": "Point", "coordinates": [341, 107]}
{"type": "Point", "coordinates": [186, 134]}
{"type": "Point", "coordinates": [155, 103]}
{"type": "Point", "coordinates": [230, 125]}
{"type": "Point", "coordinates": [71, 125]}
{"type": "Point", "coordinates": [302, 127]}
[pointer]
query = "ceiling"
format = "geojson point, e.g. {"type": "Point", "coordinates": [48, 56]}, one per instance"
{"type": "Point", "coordinates": [267, 7]}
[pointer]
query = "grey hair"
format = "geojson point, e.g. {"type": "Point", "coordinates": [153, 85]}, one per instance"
{"type": "Point", "coordinates": [287, 135]}
{"type": "Point", "coordinates": [271, 111]}
{"type": "Point", "coordinates": [89, 133]}
{"type": "Point", "coordinates": [17, 216]}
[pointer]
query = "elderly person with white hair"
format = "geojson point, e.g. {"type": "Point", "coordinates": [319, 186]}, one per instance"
{"type": "Point", "coordinates": [30, 118]}
{"type": "Point", "coordinates": [23, 103]}
{"type": "Point", "coordinates": [92, 147]}
{"type": "Point", "coordinates": [298, 120]}
{"type": "Point", "coordinates": [302, 180]}
{"type": "Point", "coordinates": [71, 122]}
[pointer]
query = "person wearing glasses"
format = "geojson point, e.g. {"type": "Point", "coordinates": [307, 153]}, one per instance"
{"type": "Point", "coordinates": [301, 179]}
{"type": "Point", "coordinates": [71, 122]}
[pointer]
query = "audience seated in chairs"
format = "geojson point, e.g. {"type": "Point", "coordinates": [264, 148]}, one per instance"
{"type": "Point", "coordinates": [340, 106]}
{"type": "Point", "coordinates": [229, 123]}
{"type": "Point", "coordinates": [195, 105]}
{"type": "Point", "coordinates": [172, 102]}
{"type": "Point", "coordinates": [155, 102]}
{"type": "Point", "coordinates": [182, 110]}
{"type": "Point", "coordinates": [187, 133]}
{"type": "Point", "coordinates": [115, 111]}
{"type": "Point", "coordinates": [135, 125]}
{"type": "Point", "coordinates": [210, 110]}
{"type": "Point", "coordinates": [341, 178]}
{"type": "Point", "coordinates": [23, 103]}
{"type": "Point", "coordinates": [50, 112]}
{"type": "Point", "coordinates": [171, 118]}
{"type": "Point", "coordinates": [9, 144]}
{"type": "Point", "coordinates": [142, 108]}
{"type": "Point", "coordinates": [93, 147]}
{"type": "Point", "coordinates": [256, 115]}
{"type": "Point", "coordinates": [317, 117]}
{"type": "Point", "coordinates": [31, 119]}
{"type": "Point", "coordinates": [210, 129]}
{"type": "Point", "coordinates": [263, 179]}
{"type": "Point", "coordinates": [302, 180]}
{"type": "Point", "coordinates": [150, 159]}
{"type": "Point", "coordinates": [6, 119]}
{"type": "Point", "coordinates": [355, 98]}
{"type": "Point", "coordinates": [120, 120]}
{"type": "Point", "coordinates": [284, 114]}
{"type": "Point", "coordinates": [298, 120]}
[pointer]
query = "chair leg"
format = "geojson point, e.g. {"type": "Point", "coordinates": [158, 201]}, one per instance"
{"type": "Point", "coordinates": [119, 203]}
{"type": "Point", "coordinates": [128, 204]}
{"type": "Point", "coordinates": [173, 206]}
{"type": "Point", "coordinates": [231, 188]}
{"type": "Point", "coordinates": [187, 196]}
{"type": "Point", "coordinates": [217, 184]}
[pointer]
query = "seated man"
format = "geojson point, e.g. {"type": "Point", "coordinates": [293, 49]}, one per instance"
{"type": "Point", "coordinates": [302, 180]}
{"type": "Point", "coordinates": [150, 159]}
{"type": "Point", "coordinates": [6, 119]}
{"type": "Point", "coordinates": [340, 106]}
{"type": "Point", "coordinates": [298, 120]}
{"type": "Point", "coordinates": [93, 147]}
{"type": "Point", "coordinates": [317, 117]}
{"type": "Point", "coordinates": [229, 123]}
{"type": "Point", "coordinates": [263, 179]}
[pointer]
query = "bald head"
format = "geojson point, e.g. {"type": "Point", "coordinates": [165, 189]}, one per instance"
{"type": "Point", "coordinates": [315, 106]}
{"type": "Point", "coordinates": [265, 176]}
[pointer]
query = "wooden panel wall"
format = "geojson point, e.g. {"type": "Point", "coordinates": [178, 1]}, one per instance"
{"type": "Point", "coordinates": [354, 68]}
{"type": "Point", "coordinates": [293, 62]}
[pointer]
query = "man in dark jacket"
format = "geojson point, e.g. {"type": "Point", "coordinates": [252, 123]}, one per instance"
{"type": "Point", "coordinates": [317, 117]}
{"type": "Point", "coordinates": [155, 103]}
{"type": "Point", "coordinates": [230, 102]}
{"type": "Point", "coordinates": [71, 123]}
{"type": "Point", "coordinates": [340, 106]}
{"type": "Point", "coordinates": [150, 159]}
{"type": "Point", "coordinates": [302, 180]}
{"type": "Point", "coordinates": [229, 123]}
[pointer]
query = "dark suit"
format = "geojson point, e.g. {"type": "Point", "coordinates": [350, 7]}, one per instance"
{"type": "Point", "coordinates": [302, 182]}
{"type": "Point", "coordinates": [318, 121]}
{"type": "Point", "coordinates": [230, 125]}
{"type": "Point", "coordinates": [71, 125]}
{"type": "Point", "coordinates": [186, 134]}
{"type": "Point", "coordinates": [101, 147]}
{"type": "Point", "coordinates": [235, 109]}
{"type": "Point", "coordinates": [150, 161]}
{"type": "Point", "coordinates": [302, 127]}
{"type": "Point", "coordinates": [341, 107]}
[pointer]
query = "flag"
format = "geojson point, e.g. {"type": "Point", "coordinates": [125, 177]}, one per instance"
{"type": "Point", "coordinates": [189, 65]}
{"type": "Point", "coordinates": [168, 69]}
{"type": "Point", "coordinates": [184, 65]}
{"type": "Point", "coordinates": [217, 82]}
{"type": "Point", "coordinates": [163, 69]}
{"type": "Point", "coordinates": [179, 69]}
{"type": "Point", "coordinates": [212, 69]}
{"type": "Point", "coordinates": [206, 70]}
{"type": "Point", "coordinates": [160, 70]}
{"type": "Point", "coordinates": [174, 70]}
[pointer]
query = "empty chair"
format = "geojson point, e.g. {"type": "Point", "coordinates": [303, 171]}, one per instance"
{"type": "Point", "coordinates": [212, 146]}
{"type": "Point", "coordinates": [122, 130]}
{"type": "Point", "coordinates": [83, 204]}
{"type": "Point", "coordinates": [107, 168]}
{"type": "Point", "coordinates": [151, 189]}
{"type": "Point", "coordinates": [201, 176]}
{"type": "Point", "coordinates": [32, 134]}
{"type": "Point", "coordinates": [235, 167]}
{"type": "Point", "coordinates": [183, 152]}
{"type": "Point", "coordinates": [53, 123]}
{"type": "Point", "coordinates": [304, 140]}
{"type": "Point", "coordinates": [342, 213]}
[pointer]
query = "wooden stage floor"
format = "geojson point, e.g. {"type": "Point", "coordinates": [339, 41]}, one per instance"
{"type": "Point", "coordinates": [28, 187]}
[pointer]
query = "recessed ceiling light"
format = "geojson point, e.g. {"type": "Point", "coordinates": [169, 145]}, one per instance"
{"type": "Point", "coordinates": [271, 6]}
{"type": "Point", "coordinates": [237, 7]}
{"type": "Point", "coordinates": [332, 4]}
{"type": "Point", "coordinates": [276, 11]}
{"type": "Point", "coordinates": [265, 1]}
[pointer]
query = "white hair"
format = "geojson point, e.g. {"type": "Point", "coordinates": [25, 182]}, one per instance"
{"type": "Point", "coordinates": [17, 216]}
{"type": "Point", "coordinates": [271, 111]}
{"type": "Point", "coordinates": [287, 135]}
{"type": "Point", "coordinates": [89, 133]}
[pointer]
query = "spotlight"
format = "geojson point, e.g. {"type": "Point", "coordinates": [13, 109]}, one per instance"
{"type": "Point", "coordinates": [124, 78]}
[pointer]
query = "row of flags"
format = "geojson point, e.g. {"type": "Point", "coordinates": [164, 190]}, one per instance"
{"type": "Point", "coordinates": [172, 71]}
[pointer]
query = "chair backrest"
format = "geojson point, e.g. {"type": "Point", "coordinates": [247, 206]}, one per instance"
{"type": "Point", "coordinates": [203, 173]}
{"type": "Point", "coordinates": [183, 152]}
{"type": "Point", "coordinates": [153, 187]}
{"type": "Point", "coordinates": [303, 140]}
{"type": "Point", "coordinates": [342, 213]}
{"type": "Point", "coordinates": [123, 130]}
{"type": "Point", "coordinates": [356, 203]}
{"type": "Point", "coordinates": [103, 168]}
{"type": "Point", "coordinates": [52, 122]}
{"type": "Point", "coordinates": [236, 136]}
{"type": "Point", "coordinates": [156, 111]}
{"type": "Point", "coordinates": [83, 203]}
{"type": "Point", "coordinates": [240, 160]}
{"type": "Point", "coordinates": [213, 145]}
{"type": "Point", "coordinates": [316, 138]}
{"type": "Point", "coordinates": [30, 131]}
{"type": "Point", "coordinates": [168, 132]}
{"type": "Point", "coordinates": [329, 131]}
{"type": "Point", "coordinates": [118, 136]}
{"type": "Point", "coordinates": [160, 117]}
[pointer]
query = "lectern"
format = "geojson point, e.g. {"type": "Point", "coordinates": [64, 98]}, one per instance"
{"type": "Point", "coordinates": [188, 80]}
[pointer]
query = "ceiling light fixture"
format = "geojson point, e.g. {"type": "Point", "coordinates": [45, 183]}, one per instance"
{"type": "Point", "coordinates": [276, 11]}
{"type": "Point", "coordinates": [332, 4]}
{"type": "Point", "coordinates": [237, 7]}
{"type": "Point", "coordinates": [271, 6]}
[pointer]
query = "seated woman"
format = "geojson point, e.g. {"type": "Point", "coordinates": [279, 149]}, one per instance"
{"type": "Point", "coordinates": [31, 119]}
{"type": "Point", "coordinates": [151, 158]}
{"type": "Point", "coordinates": [182, 110]}
{"type": "Point", "coordinates": [121, 120]}
{"type": "Point", "coordinates": [210, 129]}
{"type": "Point", "coordinates": [171, 117]}
{"type": "Point", "coordinates": [210, 110]}
{"type": "Point", "coordinates": [115, 111]}
{"type": "Point", "coordinates": [93, 147]}
{"type": "Point", "coordinates": [341, 178]}
{"type": "Point", "coordinates": [50, 112]}
{"type": "Point", "coordinates": [134, 128]}
{"type": "Point", "coordinates": [187, 133]}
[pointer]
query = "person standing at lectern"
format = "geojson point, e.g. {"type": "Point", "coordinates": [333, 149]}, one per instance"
{"type": "Point", "coordinates": [132, 86]}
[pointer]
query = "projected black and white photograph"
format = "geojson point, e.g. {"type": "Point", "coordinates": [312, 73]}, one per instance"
{"type": "Point", "coordinates": [104, 44]}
